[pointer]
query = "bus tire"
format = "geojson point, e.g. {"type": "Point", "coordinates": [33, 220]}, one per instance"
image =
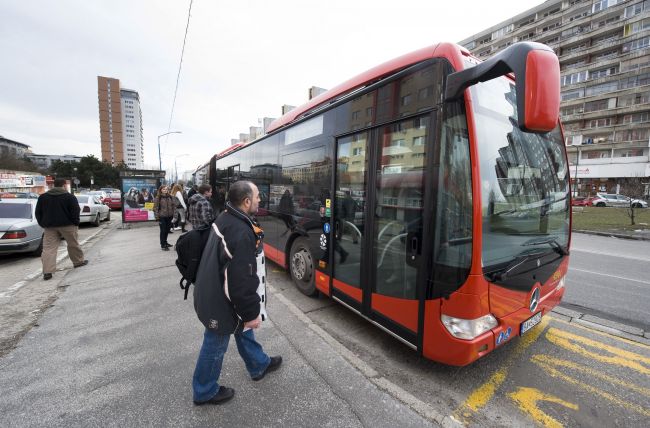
{"type": "Point", "coordinates": [301, 267]}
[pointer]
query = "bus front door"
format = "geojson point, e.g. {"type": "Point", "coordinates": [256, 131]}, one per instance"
{"type": "Point", "coordinates": [379, 216]}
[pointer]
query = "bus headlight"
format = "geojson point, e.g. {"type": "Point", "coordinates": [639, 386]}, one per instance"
{"type": "Point", "coordinates": [560, 283]}
{"type": "Point", "coordinates": [468, 329]}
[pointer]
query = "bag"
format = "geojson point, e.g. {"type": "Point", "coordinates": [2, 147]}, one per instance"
{"type": "Point", "coordinates": [189, 248]}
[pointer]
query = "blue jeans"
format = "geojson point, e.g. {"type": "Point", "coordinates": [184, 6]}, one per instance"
{"type": "Point", "coordinates": [208, 366]}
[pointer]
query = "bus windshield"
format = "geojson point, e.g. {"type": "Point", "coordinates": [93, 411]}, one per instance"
{"type": "Point", "coordinates": [524, 181]}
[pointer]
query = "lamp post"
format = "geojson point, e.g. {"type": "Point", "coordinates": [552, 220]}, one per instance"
{"type": "Point", "coordinates": [159, 156]}
{"type": "Point", "coordinates": [176, 167]}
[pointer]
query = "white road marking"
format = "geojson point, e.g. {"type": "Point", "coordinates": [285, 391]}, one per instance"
{"type": "Point", "coordinates": [610, 276]}
{"type": "Point", "coordinates": [604, 253]}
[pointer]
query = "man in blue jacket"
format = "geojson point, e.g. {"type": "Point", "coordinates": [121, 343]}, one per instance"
{"type": "Point", "coordinates": [237, 236]}
{"type": "Point", "coordinates": [57, 212]}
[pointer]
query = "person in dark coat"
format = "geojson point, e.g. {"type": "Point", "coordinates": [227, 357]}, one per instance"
{"type": "Point", "coordinates": [287, 210]}
{"type": "Point", "coordinates": [243, 283]}
{"type": "Point", "coordinates": [57, 212]}
{"type": "Point", "coordinates": [163, 209]}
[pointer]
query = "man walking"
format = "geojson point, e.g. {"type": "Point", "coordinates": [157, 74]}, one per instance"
{"type": "Point", "coordinates": [241, 240]}
{"type": "Point", "coordinates": [200, 212]}
{"type": "Point", "coordinates": [57, 212]}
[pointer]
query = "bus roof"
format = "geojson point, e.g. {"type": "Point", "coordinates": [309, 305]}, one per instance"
{"type": "Point", "coordinates": [447, 50]}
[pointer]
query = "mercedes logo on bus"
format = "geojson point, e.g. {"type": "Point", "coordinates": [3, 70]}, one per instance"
{"type": "Point", "coordinates": [534, 300]}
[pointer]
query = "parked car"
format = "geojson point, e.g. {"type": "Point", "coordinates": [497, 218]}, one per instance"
{"type": "Point", "coordinates": [19, 231]}
{"type": "Point", "coordinates": [114, 200]}
{"type": "Point", "coordinates": [92, 210]}
{"type": "Point", "coordinates": [582, 201]}
{"type": "Point", "coordinates": [102, 195]}
{"type": "Point", "coordinates": [613, 200]}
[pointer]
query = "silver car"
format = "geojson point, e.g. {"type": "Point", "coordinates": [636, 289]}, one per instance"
{"type": "Point", "coordinates": [19, 231]}
{"type": "Point", "coordinates": [92, 210]}
{"type": "Point", "coordinates": [614, 200]}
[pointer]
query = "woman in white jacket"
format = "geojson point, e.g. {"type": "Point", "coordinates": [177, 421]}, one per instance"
{"type": "Point", "coordinates": [181, 208]}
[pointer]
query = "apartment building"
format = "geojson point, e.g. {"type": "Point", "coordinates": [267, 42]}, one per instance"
{"type": "Point", "coordinates": [120, 124]}
{"type": "Point", "coordinates": [604, 52]}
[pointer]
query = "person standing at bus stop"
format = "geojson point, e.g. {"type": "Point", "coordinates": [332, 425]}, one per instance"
{"type": "Point", "coordinates": [163, 209]}
{"type": "Point", "coordinates": [57, 212]}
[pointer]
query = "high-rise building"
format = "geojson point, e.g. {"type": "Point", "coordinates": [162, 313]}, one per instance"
{"type": "Point", "coordinates": [604, 52]}
{"type": "Point", "coordinates": [120, 124]}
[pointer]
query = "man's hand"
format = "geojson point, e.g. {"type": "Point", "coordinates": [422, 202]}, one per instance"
{"type": "Point", "coordinates": [254, 323]}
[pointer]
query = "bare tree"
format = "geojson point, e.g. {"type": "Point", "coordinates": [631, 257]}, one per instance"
{"type": "Point", "coordinates": [636, 188]}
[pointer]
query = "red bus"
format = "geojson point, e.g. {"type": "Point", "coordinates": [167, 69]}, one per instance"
{"type": "Point", "coordinates": [430, 195]}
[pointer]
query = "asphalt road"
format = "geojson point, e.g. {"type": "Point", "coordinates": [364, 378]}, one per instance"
{"type": "Point", "coordinates": [608, 277]}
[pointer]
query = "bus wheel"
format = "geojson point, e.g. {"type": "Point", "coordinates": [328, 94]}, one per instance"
{"type": "Point", "coordinates": [301, 266]}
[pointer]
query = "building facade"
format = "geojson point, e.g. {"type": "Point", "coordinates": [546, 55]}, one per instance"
{"type": "Point", "coordinates": [604, 52]}
{"type": "Point", "coordinates": [12, 148]}
{"type": "Point", "coordinates": [46, 161]}
{"type": "Point", "coordinates": [120, 124]}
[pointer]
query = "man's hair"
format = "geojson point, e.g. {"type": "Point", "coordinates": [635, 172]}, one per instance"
{"type": "Point", "coordinates": [204, 188]}
{"type": "Point", "coordinates": [59, 182]}
{"type": "Point", "coordinates": [239, 191]}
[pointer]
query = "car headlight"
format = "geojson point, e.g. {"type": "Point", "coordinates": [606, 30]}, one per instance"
{"type": "Point", "coordinates": [468, 329]}
{"type": "Point", "coordinates": [560, 283]}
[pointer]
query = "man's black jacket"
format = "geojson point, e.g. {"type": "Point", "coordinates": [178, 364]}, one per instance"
{"type": "Point", "coordinates": [225, 292]}
{"type": "Point", "coordinates": [56, 208]}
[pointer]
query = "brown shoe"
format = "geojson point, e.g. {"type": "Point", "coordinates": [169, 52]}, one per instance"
{"type": "Point", "coordinates": [84, 263]}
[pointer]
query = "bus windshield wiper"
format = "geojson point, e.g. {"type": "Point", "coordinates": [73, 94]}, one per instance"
{"type": "Point", "coordinates": [520, 259]}
{"type": "Point", "coordinates": [551, 240]}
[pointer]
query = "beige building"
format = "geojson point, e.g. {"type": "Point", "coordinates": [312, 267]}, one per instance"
{"type": "Point", "coordinates": [120, 124]}
{"type": "Point", "coordinates": [604, 52]}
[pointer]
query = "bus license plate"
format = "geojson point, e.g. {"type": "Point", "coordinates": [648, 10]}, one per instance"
{"type": "Point", "coordinates": [530, 323]}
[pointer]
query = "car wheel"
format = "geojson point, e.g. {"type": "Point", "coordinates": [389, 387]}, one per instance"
{"type": "Point", "coordinates": [97, 220]}
{"type": "Point", "coordinates": [636, 205]}
{"type": "Point", "coordinates": [39, 250]}
{"type": "Point", "coordinates": [301, 267]}
{"type": "Point", "coordinates": [600, 204]}
{"type": "Point", "coordinates": [108, 215]}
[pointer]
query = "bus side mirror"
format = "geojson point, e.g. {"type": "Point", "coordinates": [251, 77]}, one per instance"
{"type": "Point", "coordinates": [537, 83]}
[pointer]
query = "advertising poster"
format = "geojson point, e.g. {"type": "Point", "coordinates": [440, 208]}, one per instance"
{"type": "Point", "coordinates": [138, 198]}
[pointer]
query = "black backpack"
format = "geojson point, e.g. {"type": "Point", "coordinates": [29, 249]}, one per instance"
{"type": "Point", "coordinates": [189, 248]}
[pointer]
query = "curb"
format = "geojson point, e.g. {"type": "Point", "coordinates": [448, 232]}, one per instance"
{"type": "Point", "coordinates": [623, 331]}
{"type": "Point", "coordinates": [613, 235]}
{"type": "Point", "coordinates": [418, 406]}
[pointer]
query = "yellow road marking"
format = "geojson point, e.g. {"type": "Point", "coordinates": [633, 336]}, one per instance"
{"type": "Point", "coordinates": [548, 359]}
{"type": "Point", "coordinates": [602, 333]}
{"type": "Point", "coordinates": [625, 404]}
{"type": "Point", "coordinates": [527, 398]}
{"type": "Point", "coordinates": [619, 357]}
{"type": "Point", "coordinates": [484, 393]}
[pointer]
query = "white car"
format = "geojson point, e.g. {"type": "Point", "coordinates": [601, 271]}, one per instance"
{"type": "Point", "coordinates": [92, 210]}
{"type": "Point", "coordinates": [614, 200]}
{"type": "Point", "coordinates": [19, 230]}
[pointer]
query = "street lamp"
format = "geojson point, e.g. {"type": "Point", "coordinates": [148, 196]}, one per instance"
{"type": "Point", "coordinates": [159, 157]}
{"type": "Point", "coordinates": [176, 167]}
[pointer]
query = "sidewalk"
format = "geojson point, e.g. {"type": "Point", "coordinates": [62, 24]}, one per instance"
{"type": "Point", "coordinates": [118, 349]}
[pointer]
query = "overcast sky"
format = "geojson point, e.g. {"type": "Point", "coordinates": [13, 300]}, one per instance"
{"type": "Point", "coordinates": [243, 60]}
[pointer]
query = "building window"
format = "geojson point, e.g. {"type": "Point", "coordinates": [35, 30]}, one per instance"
{"type": "Point", "coordinates": [418, 141]}
{"type": "Point", "coordinates": [572, 95]}
{"type": "Point", "coordinates": [631, 153]}
{"type": "Point", "coordinates": [406, 100]}
{"type": "Point", "coordinates": [399, 143]}
{"type": "Point", "coordinates": [599, 154]}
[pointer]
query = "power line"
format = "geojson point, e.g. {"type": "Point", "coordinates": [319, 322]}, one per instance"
{"type": "Point", "coordinates": [178, 76]}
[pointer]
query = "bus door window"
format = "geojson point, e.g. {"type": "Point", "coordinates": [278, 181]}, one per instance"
{"type": "Point", "coordinates": [349, 203]}
{"type": "Point", "coordinates": [399, 207]}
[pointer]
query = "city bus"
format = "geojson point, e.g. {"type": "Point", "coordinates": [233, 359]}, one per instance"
{"type": "Point", "coordinates": [430, 195]}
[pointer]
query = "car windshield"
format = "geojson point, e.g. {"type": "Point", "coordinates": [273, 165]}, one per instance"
{"type": "Point", "coordinates": [82, 199]}
{"type": "Point", "coordinates": [524, 179]}
{"type": "Point", "coordinates": [15, 211]}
